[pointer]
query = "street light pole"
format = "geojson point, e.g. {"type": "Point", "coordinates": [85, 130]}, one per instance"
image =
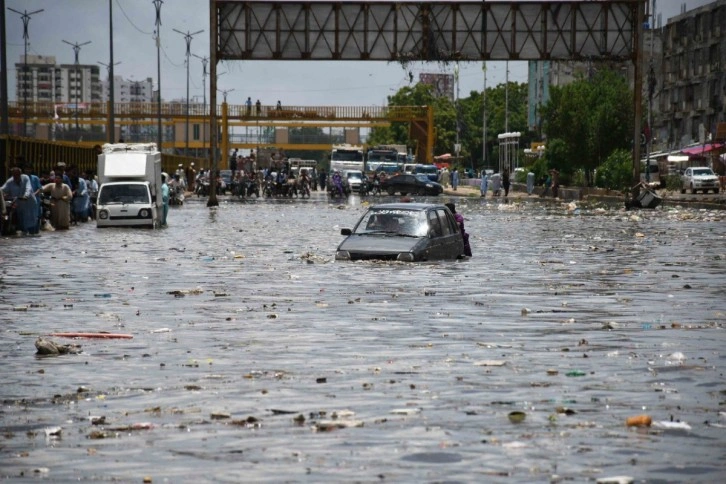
{"type": "Point", "coordinates": [204, 60]}
{"type": "Point", "coordinates": [25, 16]}
{"type": "Point", "coordinates": [457, 146]}
{"type": "Point", "coordinates": [111, 104]}
{"type": "Point", "coordinates": [76, 51]}
{"type": "Point", "coordinates": [159, 139]}
{"type": "Point", "coordinates": [188, 38]}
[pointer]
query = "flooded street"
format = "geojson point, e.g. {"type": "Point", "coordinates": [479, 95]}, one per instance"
{"type": "Point", "coordinates": [256, 357]}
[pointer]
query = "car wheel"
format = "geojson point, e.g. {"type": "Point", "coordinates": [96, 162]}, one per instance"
{"type": "Point", "coordinates": [683, 190]}
{"type": "Point", "coordinates": [403, 194]}
{"type": "Point", "coordinates": [693, 190]}
{"type": "Point", "coordinates": [391, 191]}
{"type": "Point", "coordinates": [421, 192]}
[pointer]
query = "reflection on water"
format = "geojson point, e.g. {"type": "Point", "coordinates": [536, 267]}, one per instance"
{"type": "Point", "coordinates": [256, 357]}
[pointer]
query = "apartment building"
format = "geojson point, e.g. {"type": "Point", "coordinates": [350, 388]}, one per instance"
{"type": "Point", "coordinates": [693, 96]}
{"type": "Point", "coordinates": [687, 57]}
{"type": "Point", "coordinates": [129, 91]}
{"type": "Point", "coordinates": [42, 80]}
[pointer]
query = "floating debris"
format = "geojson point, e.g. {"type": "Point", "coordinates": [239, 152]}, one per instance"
{"type": "Point", "coordinates": [639, 421]}
{"type": "Point", "coordinates": [49, 347]}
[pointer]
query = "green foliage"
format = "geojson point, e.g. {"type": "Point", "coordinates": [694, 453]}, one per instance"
{"type": "Point", "coordinates": [592, 117]}
{"type": "Point", "coordinates": [540, 169]}
{"type": "Point", "coordinates": [470, 116]}
{"type": "Point", "coordinates": [616, 172]}
{"type": "Point", "coordinates": [578, 178]}
{"type": "Point", "coordinates": [673, 182]}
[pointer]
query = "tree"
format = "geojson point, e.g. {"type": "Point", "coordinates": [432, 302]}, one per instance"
{"type": "Point", "coordinates": [616, 172]}
{"type": "Point", "coordinates": [592, 117]}
{"type": "Point", "coordinates": [470, 119]}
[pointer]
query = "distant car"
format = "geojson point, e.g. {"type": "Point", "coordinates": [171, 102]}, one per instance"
{"type": "Point", "coordinates": [699, 178]}
{"type": "Point", "coordinates": [406, 232]}
{"type": "Point", "coordinates": [354, 179]}
{"type": "Point", "coordinates": [429, 170]}
{"type": "Point", "coordinates": [415, 184]}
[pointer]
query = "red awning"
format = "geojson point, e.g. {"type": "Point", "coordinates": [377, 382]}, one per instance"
{"type": "Point", "coordinates": [697, 150]}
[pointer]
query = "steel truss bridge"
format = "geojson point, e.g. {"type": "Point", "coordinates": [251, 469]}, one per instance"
{"type": "Point", "coordinates": [407, 31]}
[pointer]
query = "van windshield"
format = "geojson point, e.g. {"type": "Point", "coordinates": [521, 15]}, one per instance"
{"type": "Point", "coordinates": [124, 194]}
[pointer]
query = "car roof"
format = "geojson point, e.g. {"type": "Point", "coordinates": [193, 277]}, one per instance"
{"type": "Point", "coordinates": [406, 206]}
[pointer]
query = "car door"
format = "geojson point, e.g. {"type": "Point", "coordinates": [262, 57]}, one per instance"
{"type": "Point", "coordinates": [436, 240]}
{"type": "Point", "coordinates": [452, 243]}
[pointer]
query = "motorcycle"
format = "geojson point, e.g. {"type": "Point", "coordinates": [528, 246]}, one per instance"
{"type": "Point", "coordinates": [269, 189]}
{"type": "Point", "coordinates": [202, 188]}
{"type": "Point", "coordinates": [336, 188]}
{"type": "Point", "coordinates": [364, 188]}
{"type": "Point", "coordinates": [176, 195]}
{"type": "Point", "coordinates": [376, 188]}
{"type": "Point", "coordinates": [250, 188]}
{"type": "Point", "coordinates": [9, 219]}
{"type": "Point", "coordinates": [304, 189]}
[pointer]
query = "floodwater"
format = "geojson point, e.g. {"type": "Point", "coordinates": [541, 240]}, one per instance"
{"type": "Point", "coordinates": [256, 357]}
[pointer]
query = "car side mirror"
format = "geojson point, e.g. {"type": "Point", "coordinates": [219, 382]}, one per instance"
{"type": "Point", "coordinates": [345, 231]}
{"type": "Point", "coordinates": [431, 234]}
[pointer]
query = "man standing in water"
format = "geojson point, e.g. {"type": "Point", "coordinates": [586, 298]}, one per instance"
{"type": "Point", "coordinates": [484, 185]}
{"type": "Point", "coordinates": [164, 199]}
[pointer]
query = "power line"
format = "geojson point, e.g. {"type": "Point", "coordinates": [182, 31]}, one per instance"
{"type": "Point", "coordinates": [129, 20]}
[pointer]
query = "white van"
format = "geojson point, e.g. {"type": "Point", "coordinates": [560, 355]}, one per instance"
{"type": "Point", "coordinates": [408, 168]}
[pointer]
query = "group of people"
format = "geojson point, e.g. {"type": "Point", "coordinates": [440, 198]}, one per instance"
{"type": "Point", "coordinates": [70, 196]}
{"type": "Point", "coordinates": [497, 182]}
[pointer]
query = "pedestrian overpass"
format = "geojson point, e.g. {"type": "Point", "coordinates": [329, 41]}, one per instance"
{"type": "Point", "coordinates": [48, 121]}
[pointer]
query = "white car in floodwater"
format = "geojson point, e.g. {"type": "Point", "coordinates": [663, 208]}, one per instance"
{"type": "Point", "coordinates": [699, 178]}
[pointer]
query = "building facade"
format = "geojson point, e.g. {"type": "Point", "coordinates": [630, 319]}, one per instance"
{"type": "Point", "coordinates": [42, 80]}
{"type": "Point", "coordinates": [129, 91]}
{"type": "Point", "coordinates": [693, 96]}
{"type": "Point", "coordinates": [683, 69]}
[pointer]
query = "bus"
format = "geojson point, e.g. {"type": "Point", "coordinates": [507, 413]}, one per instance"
{"type": "Point", "coordinates": [347, 157]}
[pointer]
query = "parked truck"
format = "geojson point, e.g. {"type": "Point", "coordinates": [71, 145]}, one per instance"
{"type": "Point", "coordinates": [130, 192]}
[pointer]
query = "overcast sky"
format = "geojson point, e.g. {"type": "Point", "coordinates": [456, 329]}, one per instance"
{"type": "Point", "coordinates": [294, 83]}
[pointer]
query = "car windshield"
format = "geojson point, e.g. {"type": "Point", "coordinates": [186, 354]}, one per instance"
{"type": "Point", "coordinates": [429, 170]}
{"type": "Point", "coordinates": [111, 194]}
{"type": "Point", "coordinates": [702, 171]}
{"type": "Point", "coordinates": [397, 221]}
{"type": "Point", "coordinates": [422, 177]}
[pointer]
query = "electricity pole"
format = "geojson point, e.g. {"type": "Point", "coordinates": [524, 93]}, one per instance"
{"type": "Point", "coordinates": [188, 38]}
{"type": "Point", "coordinates": [25, 16]}
{"type": "Point", "coordinates": [111, 96]}
{"type": "Point", "coordinates": [159, 139]}
{"type": "Point", "coordinates": [204, 60]}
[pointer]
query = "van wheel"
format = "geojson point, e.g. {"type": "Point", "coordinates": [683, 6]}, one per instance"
{"type": "Point", "coordinates": [693, 190]}
{"type": "Point", "coordinates": [683, 190]}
